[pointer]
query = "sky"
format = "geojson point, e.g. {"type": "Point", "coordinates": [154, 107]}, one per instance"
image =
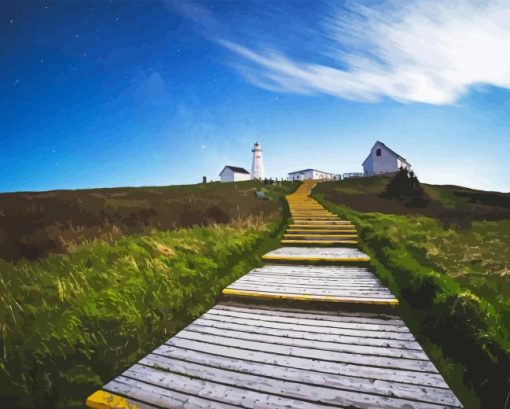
{"type": "Point", "coordinates": [105, 94]}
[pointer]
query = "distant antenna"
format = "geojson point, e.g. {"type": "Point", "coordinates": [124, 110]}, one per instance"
{"type": "Point", "coordinates": [257, 165]}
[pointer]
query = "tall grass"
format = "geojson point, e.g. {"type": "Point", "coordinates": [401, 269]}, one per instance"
{"type": "Point", "coordinates": [70, 323]}
{"type": "Point", "coordinates": [465, 334]}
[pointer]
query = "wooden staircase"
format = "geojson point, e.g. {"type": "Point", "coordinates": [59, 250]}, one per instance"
{"type": "Point", "coordinates": [313, 328]}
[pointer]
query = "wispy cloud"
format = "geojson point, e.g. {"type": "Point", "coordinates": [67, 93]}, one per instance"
{"type": "Point", "coordinates": [417, 51]}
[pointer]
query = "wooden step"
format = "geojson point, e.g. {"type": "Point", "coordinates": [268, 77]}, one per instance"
{"type": "Point", "coordinates": [304, 242]}
{"type": "Point", "coordinates": [295, 217]}
{"type": "Point", "coordinates": [319, 236]}
{"type": "Point", "coordinates": [321, 226]}
{"type": "Point", "coordinates": [346, 283]}
{"type": "Point", "coordinates": [316, 254]}
{"type": "Point", "coordinates": [323, 222]}
{"type": "Point", "coordinates": [320, 231]}
{"type": "Point", "coordinates": [309, 214]}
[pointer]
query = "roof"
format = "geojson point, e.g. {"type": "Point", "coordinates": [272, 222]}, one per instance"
{"type": "Point", "coordinates": [389, 149]}
{"type": "Point", "coordinates": [308, 170]}
{"type": "Point", "coordinates": [235, 169]}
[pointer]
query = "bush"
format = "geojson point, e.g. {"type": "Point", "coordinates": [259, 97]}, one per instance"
{"type": "Point", "coordinates": [406, 186]}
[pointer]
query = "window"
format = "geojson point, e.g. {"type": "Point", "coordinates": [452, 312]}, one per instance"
{"type": "Point", "coordinates": [378, 152]}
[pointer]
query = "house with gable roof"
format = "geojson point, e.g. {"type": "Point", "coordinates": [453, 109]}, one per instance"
{"type": "Point", "coordinates": [383, 161]}
{"type": "Point", "coordinates": [234, 174]}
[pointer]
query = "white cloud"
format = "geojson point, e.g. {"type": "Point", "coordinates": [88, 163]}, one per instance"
{"type": "Point", "coordinates": [417, 51]}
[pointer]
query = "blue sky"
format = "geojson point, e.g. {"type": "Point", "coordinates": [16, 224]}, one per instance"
{"type": "Point", "coordinates": [103, 94]}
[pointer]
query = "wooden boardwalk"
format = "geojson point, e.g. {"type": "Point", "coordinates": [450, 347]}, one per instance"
{"type": "Point", "coordinates": [266, 346]}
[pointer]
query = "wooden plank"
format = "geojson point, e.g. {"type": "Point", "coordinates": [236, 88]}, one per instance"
{"type": "Point", "coordinates": [311, 212]}
{"type": "Point", "coordinates": [300, 251]}
{"type": "Point", "coordinates": [309, 297]}
{"type": "Point", "coordinates": [353, 274]}
{"type": "Point", "coordinates": [369, 335]}
{"type": "Point", "coordinates": [302, 363]}
{"type": "Point", "coordinates": [339, 283]}
{"type": "Point", "coordinates": [307, 290]}
{"type": "Point", "coordinates": [337, 222]}
{"type": "Point", "coordinates": [311, 333]}
{"type": "Point", "coordinates": [317, 254]}
{"type": "Point", "coordinates": [162, 396]}
{"type": "Point", "coordinates": [330, 229]}
{"type": "Point", "coordinates": [269, 283]}
{"type": "Point", "coordinates": [324, 355]}
{"type": "Point", "coordinates": [381, 351]}
{"type": "Point", "coordinates": [216, 392]}
{"type": "Point", "coordinates": [373, 329]}
{"type": "Point", "coordinates": [319, 291]}
{"type": "Point", "coordinates": [347, 282]}
{"type": "Point", "coordinates": [317, 236]}
{"type": "Point", "coordinates": [356, 272]}
{"type": "Point", "coordinates": [269, 385]}
{"type": "Point", "coordinates": [361, 279]}
{"type": "Point", "coordinates": [354, 277]}
{"type": "Point", "coordinates": [334, 381]}
{"type": "Point", "coordinates": [313, 314]}
{"type": "Point", "coordinates": [318, 218]}
{"type": "Point", "coordinates": [313, 270]}
{"type": "Point", "coordinates": [320, 242]}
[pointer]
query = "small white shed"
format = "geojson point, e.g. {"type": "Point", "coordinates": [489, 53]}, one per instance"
{"type": "Point", "coordinates": [383, 161]}
{"type": "Point", "coordinates": [234, 174]}
{"type": "Point", "coordinates": [306, 174]}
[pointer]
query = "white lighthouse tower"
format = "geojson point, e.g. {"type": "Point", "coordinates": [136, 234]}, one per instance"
{"type": "Point", "coordinates": [257, 165]}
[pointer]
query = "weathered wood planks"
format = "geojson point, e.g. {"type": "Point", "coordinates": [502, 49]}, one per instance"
{"type": "Point", "coordinates": [311, 254]}
{"type": "Point", "coordinates": [332, 284]}
{"type": "Point", "coordinates": [279, 358]}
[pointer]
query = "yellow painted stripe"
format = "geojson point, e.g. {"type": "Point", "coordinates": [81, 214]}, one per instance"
{"type": "Point", "coordinates": [377, 301]}
{"type": "Point", "coordinates": [306, 231]}
{"type": "Point", "coordinates": [328, 242]}
{"type": "Point", "coordinates": [340, 223]}
{"type": "Point", "coordinates": [310, 209]}
{"type": "Point", "coordinates": [306, 258]}
{"type": "Point", "coordinates": [318, 213]}
{"type": "Point", "coordinates": [317, 218]}
{"type": "Point", "coordinates": [106, 400]}
{"type": "Point", "coordinates": [322, 225]}
{"type": "Point", "coordinates": [331, 236]}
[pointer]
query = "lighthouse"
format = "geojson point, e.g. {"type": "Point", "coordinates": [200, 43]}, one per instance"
{"type": "Point", "coordinates": [257, 165]}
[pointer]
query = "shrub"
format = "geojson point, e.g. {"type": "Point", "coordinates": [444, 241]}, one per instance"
{"type": "Point", "coordinates": [406, 186]}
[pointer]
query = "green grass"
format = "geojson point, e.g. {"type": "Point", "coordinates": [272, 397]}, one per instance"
{"type": "Point", "coordinates": [70, 323]}
{"type": "Point", "coordinates": [453, 287]}
{"type": "Point", "coordinates": [35, 225]}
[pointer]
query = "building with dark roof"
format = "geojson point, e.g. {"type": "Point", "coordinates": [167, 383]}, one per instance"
{"type": "Point", "coordinates": [383, 161]}
{"type": "Point", "coordinates": [234, 174]}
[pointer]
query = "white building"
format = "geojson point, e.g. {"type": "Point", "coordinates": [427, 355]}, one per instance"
{"type": "Point", "coordinates": [234, 174]}
{"type": "Point", "coordinates": [382, 161]}
{"type": "Point", "coordinates": [257, 164]}
{"type": "Point", "coordinates": [310, 174]}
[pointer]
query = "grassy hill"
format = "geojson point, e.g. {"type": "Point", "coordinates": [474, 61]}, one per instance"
{"type": "Point", "coordinates": [36, 224]}
{"type": "Point", "coordinates": [449, 262]}
{"type": "Point", "coordinates": [72, 321]}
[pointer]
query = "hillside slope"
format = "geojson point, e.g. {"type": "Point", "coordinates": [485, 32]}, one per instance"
{"type": "Point", "coordinates": [36, 224]}
{"type": "Point", "coordinates": [70, 322]}
{"type": "Point", "coordinates": [448, 262]}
